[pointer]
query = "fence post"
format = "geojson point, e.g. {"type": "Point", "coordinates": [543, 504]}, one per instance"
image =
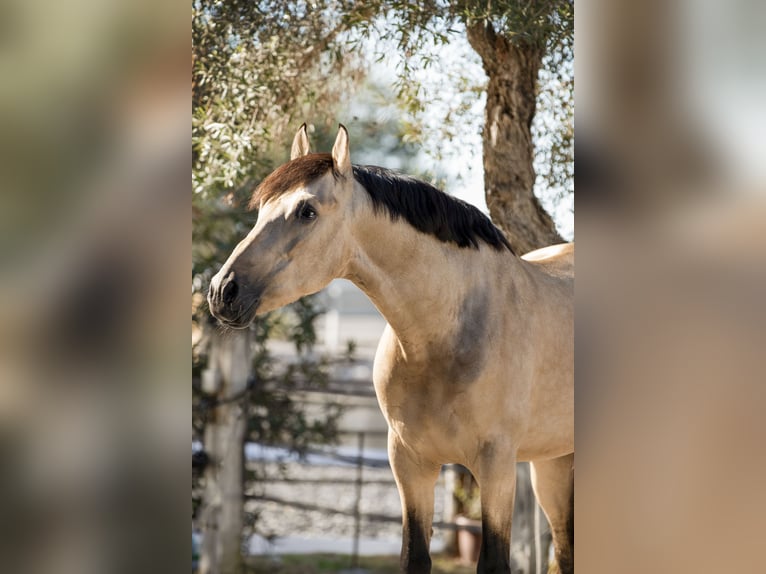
{"type": "Point", "coordinates": [222, 514]}
{"type": "Point", "coordinates": [450, 535]}
{"type": "Point", "coordinates": [357, 515]}
{"type": "Point", "coordinates": [523, 554]}
{"type": "Point", "coordinates": [538, 543]}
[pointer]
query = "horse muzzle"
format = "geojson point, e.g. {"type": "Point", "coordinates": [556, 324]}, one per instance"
{"type": "Point", "coordinates": [231, 302]}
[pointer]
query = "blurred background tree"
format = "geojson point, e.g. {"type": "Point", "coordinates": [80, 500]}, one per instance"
{"type": "Point", "coordinates": [259, 67]}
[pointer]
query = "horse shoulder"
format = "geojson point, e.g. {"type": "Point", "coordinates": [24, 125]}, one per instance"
{"type": "Point", "coordinates": [391, 371]}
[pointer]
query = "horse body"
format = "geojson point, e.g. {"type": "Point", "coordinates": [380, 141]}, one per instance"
{"type": "Point", "coordinates": [469, 352]}
{"type": "Point", "coordinates": [470, 371]}
{"type": "Point", "coordinates": [476, 364]}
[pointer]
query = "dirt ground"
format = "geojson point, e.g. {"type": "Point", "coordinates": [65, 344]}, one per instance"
{"type": "Point", "coordinates": [327, 563]}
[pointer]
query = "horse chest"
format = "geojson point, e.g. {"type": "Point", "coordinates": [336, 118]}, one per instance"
{"type": "Point", "coordinates": [433, 415]}
{"type": "Point", "coordinates": [436, 403]}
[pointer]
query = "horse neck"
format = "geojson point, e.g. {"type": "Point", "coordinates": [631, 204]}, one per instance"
{"type": "Point", "coordinates": [418, 283]}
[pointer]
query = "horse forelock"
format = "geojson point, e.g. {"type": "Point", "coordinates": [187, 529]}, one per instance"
{"type": "Point", "coordinates": [423, 206]}
{"type": "Point", "coordinates": [298, 172]}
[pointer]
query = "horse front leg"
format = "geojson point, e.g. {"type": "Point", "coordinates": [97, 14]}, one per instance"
{"type": "Point", "coordinates": [415, 478]}
{"type": "Point", "coordinates": [497, 480]}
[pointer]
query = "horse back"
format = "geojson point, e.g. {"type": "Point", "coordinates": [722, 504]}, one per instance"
{"type": "Point", "coordinates": [555, 259]}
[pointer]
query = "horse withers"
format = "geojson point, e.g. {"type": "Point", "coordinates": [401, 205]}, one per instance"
{"type": "Point", "coordinates": [475, 366]}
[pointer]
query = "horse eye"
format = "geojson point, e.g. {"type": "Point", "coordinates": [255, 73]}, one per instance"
{"type": "Point", "coordinates": [306, 212]}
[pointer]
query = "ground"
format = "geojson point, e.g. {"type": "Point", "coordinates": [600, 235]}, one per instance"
{"type": "Point", "coordinates": [327, 563]}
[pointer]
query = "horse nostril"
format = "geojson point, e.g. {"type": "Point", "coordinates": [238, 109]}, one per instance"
{"type": "Point", "coordinates": [229, 292]}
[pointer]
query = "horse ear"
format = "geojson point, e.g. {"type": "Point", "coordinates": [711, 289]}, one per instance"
{"type": "Point", "coordinates": [340, 156]}
{"type": "Point", "coordinates": [300, 143]}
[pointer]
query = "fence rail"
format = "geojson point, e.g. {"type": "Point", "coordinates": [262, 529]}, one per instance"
{"type": "Point", "coordinates": [351, 509]}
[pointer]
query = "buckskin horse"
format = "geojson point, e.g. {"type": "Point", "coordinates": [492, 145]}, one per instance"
{"type": "Point", "coordinates": [476, 364]}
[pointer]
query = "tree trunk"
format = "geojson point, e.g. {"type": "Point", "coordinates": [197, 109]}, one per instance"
{"type": "Point", "coordinates": [509, 179]}
{"type": "Point", "coordinates": [509, 175]}
{"type": "Point", "coordinates": [222, 518]}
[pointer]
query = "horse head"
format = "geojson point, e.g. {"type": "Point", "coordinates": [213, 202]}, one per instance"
{"type": "Point", "coordinates": [299, 242]}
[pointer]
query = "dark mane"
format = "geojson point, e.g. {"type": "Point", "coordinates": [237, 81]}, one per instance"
{"type": "Point", "coordinates": [423, 206]}
{"type": "Point", "coordinates": [428, 209]}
